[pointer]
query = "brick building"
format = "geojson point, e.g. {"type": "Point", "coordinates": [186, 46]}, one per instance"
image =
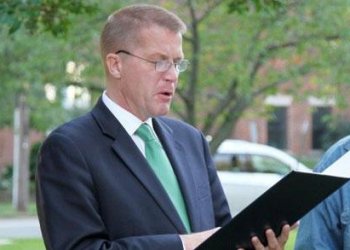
{"type": "Point", "coordinates": [296, 126]}
{"type": "Point", "coordinates": [6, 145]}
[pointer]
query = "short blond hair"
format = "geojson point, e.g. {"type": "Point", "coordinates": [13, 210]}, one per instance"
{"type": "Point", "coordinates": [123, 26]}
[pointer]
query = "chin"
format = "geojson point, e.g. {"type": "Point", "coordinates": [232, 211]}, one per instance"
{"type": "Point", "coordinates": [159, 109]}
{"type": "Point", "coordinates": [162, 112]}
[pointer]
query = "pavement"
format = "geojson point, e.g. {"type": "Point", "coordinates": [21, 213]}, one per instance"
{"type": "Point", "coordinates": [22, 227]}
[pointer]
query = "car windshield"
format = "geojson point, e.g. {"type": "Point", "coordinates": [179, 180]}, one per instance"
{"type": "Point", "coordinates": [250, 163]}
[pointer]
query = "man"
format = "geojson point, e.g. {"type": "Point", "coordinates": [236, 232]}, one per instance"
{"type": "Point", "coordinates": [98, 184]}
{"type": "Point", "coordinates": [327, 227]}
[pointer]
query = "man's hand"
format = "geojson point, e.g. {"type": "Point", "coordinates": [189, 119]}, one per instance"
{"type": "Point", "coordinates": [191, 241]}
{"type": "Point", "coordinates": [273, 242]}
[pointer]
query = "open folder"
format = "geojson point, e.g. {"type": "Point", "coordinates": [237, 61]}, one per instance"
{"type": "Point", "coordinates": [286, 202]}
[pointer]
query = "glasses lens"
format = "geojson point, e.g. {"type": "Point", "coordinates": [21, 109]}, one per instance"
{"type": "Point", "coordinates": [163, 65]}
{"type": "Point", "coordinates": [182, 65]}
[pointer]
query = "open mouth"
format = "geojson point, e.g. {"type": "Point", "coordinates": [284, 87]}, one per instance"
{"type": "Point", "coordinates": [167, 93]}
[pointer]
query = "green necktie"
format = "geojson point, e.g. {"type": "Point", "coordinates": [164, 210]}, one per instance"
{"type": "Point", "coordinates": [161, 166]}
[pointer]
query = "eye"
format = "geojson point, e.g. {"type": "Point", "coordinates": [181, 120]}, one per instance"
{"type": "Point", "coordinates": [163, 65]}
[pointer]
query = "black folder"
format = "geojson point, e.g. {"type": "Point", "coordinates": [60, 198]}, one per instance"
{"type": "Point", "coordinates": [284, 203]}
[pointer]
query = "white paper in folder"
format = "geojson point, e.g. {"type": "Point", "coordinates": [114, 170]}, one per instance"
{"type": "Point", "coordinates": [340, 168]}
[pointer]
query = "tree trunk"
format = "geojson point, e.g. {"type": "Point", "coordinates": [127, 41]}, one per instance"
{"type": "Point", "coordinates": [20, 192]}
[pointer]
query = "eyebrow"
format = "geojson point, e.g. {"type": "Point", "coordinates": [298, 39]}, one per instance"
{"type": "Point", "coordinates": [165, 57]}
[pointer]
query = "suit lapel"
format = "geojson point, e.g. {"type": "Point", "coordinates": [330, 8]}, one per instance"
{"type": "Point", "coordinates": [126, 149]}
{"type": "Point", "coordinates": [177, 156]}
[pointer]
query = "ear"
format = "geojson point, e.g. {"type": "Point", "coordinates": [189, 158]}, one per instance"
{"type": "Point", "coordinates": [114, 65]}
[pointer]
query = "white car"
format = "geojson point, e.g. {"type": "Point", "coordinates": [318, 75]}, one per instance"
{"type": "Point", "coordinates": [247, 169]}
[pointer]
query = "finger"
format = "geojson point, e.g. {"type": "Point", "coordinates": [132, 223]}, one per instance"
{"type": "Point", "coordinates": [257, 244]}
{"type": "Point", "coordinates": [282, 239]}
{"type": "Point", "coordinates": [272, 241]}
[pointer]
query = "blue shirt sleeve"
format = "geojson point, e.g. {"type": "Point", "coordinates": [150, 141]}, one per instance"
{"type": "Point", "coordinates": [327, 227]}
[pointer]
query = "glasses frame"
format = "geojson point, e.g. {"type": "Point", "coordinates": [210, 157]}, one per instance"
{"type": "Point", "coordinates": [180, 66]}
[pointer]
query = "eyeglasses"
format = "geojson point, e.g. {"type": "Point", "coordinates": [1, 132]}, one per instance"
{"type": "Point", "coordinates": [162, 65]}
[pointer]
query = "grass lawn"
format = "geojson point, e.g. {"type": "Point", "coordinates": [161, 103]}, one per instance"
{"type": "Point", "coordinates": [22, 244]}
{"type": "Point", "coordinates": [7, 210]}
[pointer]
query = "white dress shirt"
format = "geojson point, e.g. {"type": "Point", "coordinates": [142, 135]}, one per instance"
{"type": "Point", "coordinates": [129, 121]}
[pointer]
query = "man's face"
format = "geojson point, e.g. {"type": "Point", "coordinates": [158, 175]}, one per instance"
{"type": "Point", "coordinates": [143, 91]}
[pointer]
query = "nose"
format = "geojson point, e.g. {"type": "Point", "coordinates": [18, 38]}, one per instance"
{"type": "Point", "coordinates": [172, 74]}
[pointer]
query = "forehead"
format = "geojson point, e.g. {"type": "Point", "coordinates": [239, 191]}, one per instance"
{"type": "Point", "coordinates": [159, 40]}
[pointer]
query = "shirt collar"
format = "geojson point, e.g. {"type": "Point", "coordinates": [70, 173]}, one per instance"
{"type": "Point", "coordinates": [129, 121]}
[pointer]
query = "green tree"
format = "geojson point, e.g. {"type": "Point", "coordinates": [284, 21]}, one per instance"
{"type": "Point", "coordinates": [31, 61]}
{"type": "Point", "coordinates": [35, 57]}
{"type": "Point", "coordinates": [39, 15]}
{"type": "Point", "coordinates": [240, 52]}
{"type": "Point", "coordinates": [238, 58]}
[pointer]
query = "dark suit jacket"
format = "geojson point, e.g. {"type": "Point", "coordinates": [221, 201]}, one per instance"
{"type": "Point", "coordinates": [95, 189]}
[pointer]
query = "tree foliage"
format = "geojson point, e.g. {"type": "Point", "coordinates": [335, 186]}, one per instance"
{"type": "Point", "coordinates": [33, 59]}
{"type": "Point", "coordinates": [239, 59]}
{"type": "Point", "coordinates": [240, 53]}
{"type": "Point", "coordinates": [42, 15]}
{"type": "Point", "coordinates": [243, 6]}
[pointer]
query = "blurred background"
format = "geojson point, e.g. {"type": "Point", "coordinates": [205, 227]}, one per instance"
{"type": "Point", "coordinates": [273, 72]}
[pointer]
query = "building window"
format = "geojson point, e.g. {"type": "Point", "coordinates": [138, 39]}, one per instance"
{"type": "Point", "coordinates": [319, 125]}
{"type": "Point", "coordinates": [277, 128]}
